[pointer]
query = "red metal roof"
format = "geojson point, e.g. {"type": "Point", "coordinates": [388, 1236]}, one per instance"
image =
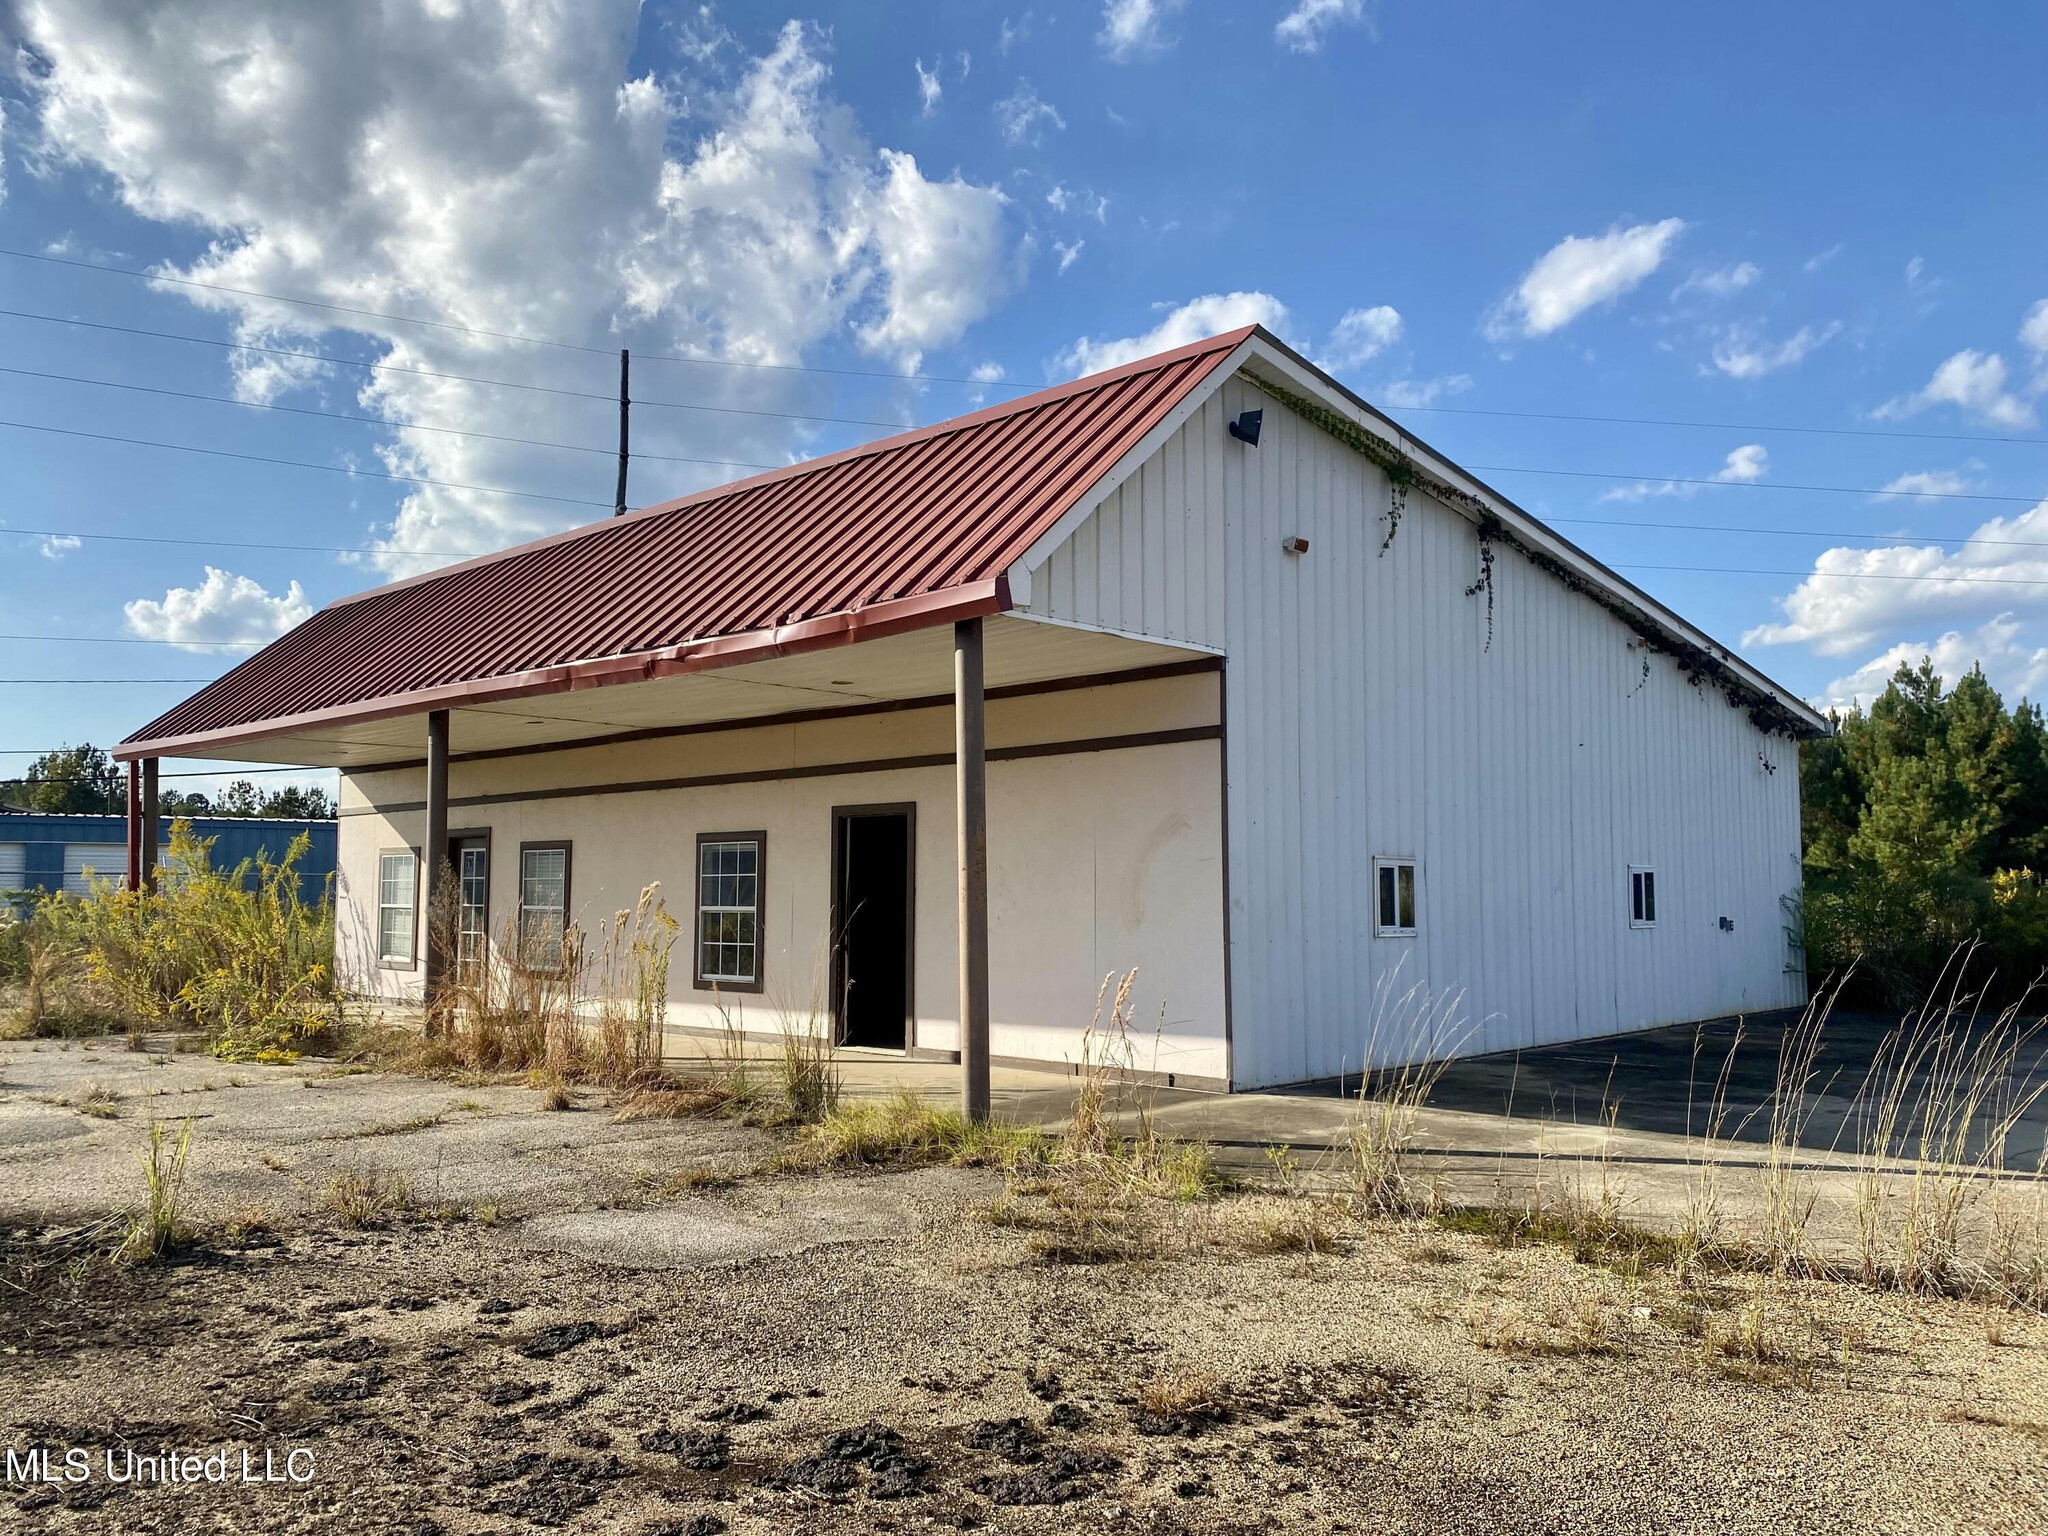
{"type": "Point", "coordinates": [894, 535]}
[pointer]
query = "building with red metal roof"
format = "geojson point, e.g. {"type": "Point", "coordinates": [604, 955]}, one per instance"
{"type": "Point", "coordinates": [1199, 667]}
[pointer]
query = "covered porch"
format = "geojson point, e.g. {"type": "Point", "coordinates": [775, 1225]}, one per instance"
{"type": "Point", "coordinates": [578, 744]}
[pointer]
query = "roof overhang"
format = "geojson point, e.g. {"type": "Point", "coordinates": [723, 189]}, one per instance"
{"type": "Point", "coordinates": [828, 632]}
{"type": "Point", "coordinates": [905, 668]}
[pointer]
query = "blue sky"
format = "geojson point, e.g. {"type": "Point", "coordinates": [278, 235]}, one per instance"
{"type": "Point", "coordinates": [1760, 218]}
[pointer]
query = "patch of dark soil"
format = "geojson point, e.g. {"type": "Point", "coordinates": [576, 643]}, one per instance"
{"type": "Point", "coordinates": [696, 1525]}
{"type": "Point", "coordinates": [1043, 1384]}
{"type": "Point", "coordinates": [591, 1438]}
{"type": "Point", "coordinates": [550, 1411]}
{"type": "Point", "coordinates": [498, 1306]}
{"type": "Point", "coordinates": [486, 1473]}
{"type": "Point", "coordinates": [335, 1308]}
{"type": "Point", "coordinates": [1066, 1416]}
{"type": "Point", "coordinates": [355, 1387]}
{"type": "Point", "coordinates": [1017, 1441]}
{"type": "Point", "coordinates": [503, 1394]}
{"type": "Point", "coordinates": [408, 1303]}
{"type": "Point", "coordinates": [351, 1351]}
{"type": "Point", "coordinates": [733, 1413]}
{"type": "Point", "coordinates": [319, 1335]}
{"type": "Point", "coordinates": [1061, 1479]}
{"type": "Point", "coordinates": [699, 1450]}
{"type": "Point", "coordinates": [558, 1339]}
{"type": "Point", "coordinates": [816, 1474]}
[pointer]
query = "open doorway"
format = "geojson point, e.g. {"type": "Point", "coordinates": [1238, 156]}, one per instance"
{"type": "Point", "coordinates": [874, 906]}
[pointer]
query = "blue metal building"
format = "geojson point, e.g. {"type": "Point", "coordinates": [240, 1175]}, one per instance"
{"type": "Point", "coordinates": [41, 852]}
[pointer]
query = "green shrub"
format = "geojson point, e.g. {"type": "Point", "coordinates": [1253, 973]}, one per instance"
{"type": "Point", "coordinates": [236, 955]}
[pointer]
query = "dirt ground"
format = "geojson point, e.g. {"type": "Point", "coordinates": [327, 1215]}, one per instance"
{"type": "Point", "coordinates": [566, 1323]}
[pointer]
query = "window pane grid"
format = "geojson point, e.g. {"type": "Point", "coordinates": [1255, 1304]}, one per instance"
{"type": "Point", "coordinates": [1394, 896]}
{"type": "Point", "coordinates": [728, 911]}
{"type": "Point", "coordinates": [396, 884]}
{"type": "Point", "coordinates": [543, 905]}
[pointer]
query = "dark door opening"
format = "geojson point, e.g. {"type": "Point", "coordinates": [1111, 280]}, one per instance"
{"type": "Point", "coordinates": [874, 903]}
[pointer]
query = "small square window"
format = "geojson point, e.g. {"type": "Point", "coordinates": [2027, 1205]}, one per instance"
{"type": "Point", "coordinates": [1393, 897]}
{"type": "Point", "coordinates": [1642, 897]}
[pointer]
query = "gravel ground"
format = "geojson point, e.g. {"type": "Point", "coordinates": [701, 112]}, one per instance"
{"type": "Point", "coordinates": [570, 1328]}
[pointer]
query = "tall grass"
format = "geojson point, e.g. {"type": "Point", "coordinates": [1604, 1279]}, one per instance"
{"type": "Point", "coordinates": [153, 1230]}
{"type": "Point", "coordinates": [1410, 1039]}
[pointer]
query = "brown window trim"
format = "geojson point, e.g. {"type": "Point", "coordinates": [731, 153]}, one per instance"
{"type": "Point", "coordinates": [545, 844]}
{"type": "Point", "coordinates": [456, 838]}
{"type": "Point", "coordinates": [698, 980]}
{"type": "Point", "coordinates": [377, 909]}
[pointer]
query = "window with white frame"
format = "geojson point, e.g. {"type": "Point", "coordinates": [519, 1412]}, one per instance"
{"type": "Point", "coordinates": [730, 869]}
{"type": "Point", "coordinates": [543, 904]}
{"type": "Point", "coordinates": [1642, 896]}
{"type": "Point", "coordinates": [398, 884]}
{"type": "Point", "coordinates": [1393, 897]}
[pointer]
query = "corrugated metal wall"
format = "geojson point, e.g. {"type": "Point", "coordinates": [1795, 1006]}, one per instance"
{"type": "Point", "coordinates": [1367, 716]}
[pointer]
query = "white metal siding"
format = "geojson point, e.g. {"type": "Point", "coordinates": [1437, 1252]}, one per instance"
{"type": "Point", "coordinates": [107, 860]}
{"type": "Point", "coordinates": [1366, 715]}
{"type": "Point", "coordinates": [13, 865]}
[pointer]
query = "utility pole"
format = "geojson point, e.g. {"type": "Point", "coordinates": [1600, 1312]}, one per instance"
{"type": "Point", "coordinates": [625, 419]}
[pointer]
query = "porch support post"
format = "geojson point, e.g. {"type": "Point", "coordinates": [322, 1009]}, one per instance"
{"type": "Point", "coordinates": [435, 856]}
{"type": "Point", "coordinates": [970, 772]}
{"type": "Point", "coordinates": [150, 832]}
{"type": "Point", "coordinates": [135, 826]}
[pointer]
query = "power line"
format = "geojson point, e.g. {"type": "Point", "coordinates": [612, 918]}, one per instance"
{"type": "Point", "coordinates": [1961, 540]}
{"type": "Point", "coordinates": [1721, 426]}
{"type": "Point", "coordinates": [470, 330]}
{"type": "Point", "coordinates": [67, 681]}
{"type": "Point", "coordinates": [304, 549]}
{"type": "Point", "coordinates": [332, 469]}
{"type": "Point", "coordinates": [212, 645]}
{"type": "Point", "coordinates": [457, 378]}
{"type": "Point", "coordinates": [416, 426]}
{"type": "Point", "coordinates": [1743, 570]}
{"type": "Point", "coordinates": [1750, 485]}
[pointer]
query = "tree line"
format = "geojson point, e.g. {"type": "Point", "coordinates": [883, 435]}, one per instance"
{"type": "Point", "coordinates": [84, 780]}
{"type": "Point", "coordinates": [1925, 826]}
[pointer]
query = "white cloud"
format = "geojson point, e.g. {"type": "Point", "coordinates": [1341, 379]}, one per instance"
{"type": "Point", "coordinates": [492, 165]}
{"type": "Point", "coordinates": [1720, 282]}
{"type": "Point", "coordinates": [56, 546]}
{"type": "Point", "coordinates": [987, 373]}
{"type": "Point", "coordinates": [1927, 482]}
{"type": "Point", "coordinates": [3, 153]}
{"type": "Point", "coordinates": [1360, 336]}
{"type": "Point", "coordinates": [1748, 463]}
{"type": "Point", "coordinates": [1068, 254]}
{"type": "Point", "coordinates": [2034, 331]}
{"type": "Point", "coordinates": [1856, 596]}
{"type": "Point", "coordinates": [1209, 315]}
{"type": "Point", "coordinates": [1020, 114]}
{"type": "Point", "coordinates": [929, 90]}
{"type": "Point", "coordinates": [1133, 28]}
{"type": "Point", "coordinates": [2012, 666]}
{"type": "Point", "coordinates": [224, 608]}
{"type": "Point", "coordinates": [1743, 466]}
{"type": "Point", "coordinates": [1304, 28]}
{"type": "Point", "coordinates": [1415, 394]}
{"type": "Point", "coordinates": [1013, 32]}
{"type": "Point", "coordinates": [1743, 352]}
{"type": "Point", "coordinates": [1973, 382]}
{"type": "Point", "coordinates": [1578, 273]}
{"type": "Point", "coordinates": [1815, 262]}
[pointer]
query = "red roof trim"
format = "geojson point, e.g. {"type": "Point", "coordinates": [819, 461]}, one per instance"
{"type": "Point", "coordinates": [876, 622]}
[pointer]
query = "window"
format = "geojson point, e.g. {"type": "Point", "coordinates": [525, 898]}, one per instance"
{"type": "Point", "coordinates": [730, 869]}
{"type": "Point", "coordinates": [1394, 906]}
{"type": "Point", "coordinates": [543, 904]}
{"type": "Point", "coordinates": [398, 884]}
{"type": "Point", "coordinates": [472, 901]}
{"type": "Point", "coordinates": [1642, 897]}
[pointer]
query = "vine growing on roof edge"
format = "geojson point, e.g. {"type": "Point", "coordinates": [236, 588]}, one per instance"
{"type": "Point", "coordinates": [1697, 663]}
